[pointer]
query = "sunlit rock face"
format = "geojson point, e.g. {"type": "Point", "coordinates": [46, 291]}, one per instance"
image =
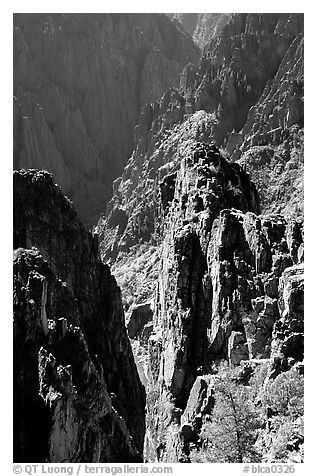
{"type": "Point", "coordinates": [229, 287]}
{"type": "Point", "coordinates": [204, 233]}
{"type": "Point", "coordinates": [228, 278]}
{"type": "Point", "coordinates": [246, 96]}
{"type": "Point", "coordinates": [271, 144]}
{"type": "Point", "coordinates": [202, 26]}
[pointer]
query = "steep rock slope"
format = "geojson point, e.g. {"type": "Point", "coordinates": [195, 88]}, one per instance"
{"type": "Point", "coordinates": [236, 66]}
{"type": "Point", "coordinates": [79, 84]}
{"type": "Point", "coordinates": [77, 394]}
{"type": "Point", "coordinates": [230, 286]}
{"type": "Point", "coordinates": [163, 137]}
{"type": "Point", "coordinates": [209, 25]}
{"type": "Point", "coordinates": [229, 281]}
{"type": "Point", "coordinates": [187, 20]}
{"type": "Point", "coordinates": [219, 101]}
{"type": "Point", "coordinates": [271, 143]}
{"type": "Point", "coordinates": [202, 26]}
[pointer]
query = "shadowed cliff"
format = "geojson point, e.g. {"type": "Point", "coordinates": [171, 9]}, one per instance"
{"type": "Point", "coordinates": [77, 394]}
{"type": "Point", "coordinates": [80, 81]}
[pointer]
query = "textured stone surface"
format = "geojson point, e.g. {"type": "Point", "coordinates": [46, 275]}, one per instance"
{"type": "Point", "coordinates": [187, 20]}
{"type": "Point", "coordinates": [236, 67]}
{"type": "Point", "coordinates": [219, 280]}
{"type": "Point", "coordinates": [237, 348]}
{"type": "Point", "coordinates": [271, 142]}
{"type": "Point", "coordinates": [147, 180]}
{"type": "Point", "coordinates": [80, 81]}
{"type": "Point", "coordinates": [208, 26]}
{"type": "Point", "coordinates": [202, 26]}
{"type": "Point", "coordinates": [236, 79]}
{"type": "Point", "coordinates": [74, 373]}
{"type": "Point", "coordinates": [184, 224]}
{"type": "Point", "coordinates": [288, 336]}
{"type": "Point", "coordinates": [222, 276]}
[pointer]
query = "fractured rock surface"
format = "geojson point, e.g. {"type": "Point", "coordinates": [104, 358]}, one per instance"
{"type": "Point", "coordinates": [232, 98]}
{"type": "Point", "coordinates": [230, 287]}
{"type": "Point", "coordinates": [216, 244]}
{"type": "Point", "coordinates": [270, 145]}
{"type": "Point", "coordinates": [77, 394]}
{"type": "Point", "coordinates": [223, 100]}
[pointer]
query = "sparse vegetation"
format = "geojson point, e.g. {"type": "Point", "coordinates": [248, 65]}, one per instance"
{"type": "Point", "coordinates": [235, 424]}
{"type": "Point", "coordinates": [252, 423]}
{"type": "Point", "coordinates": [136, 274]}
{"type": "Point", "coordinates": [285, 394]}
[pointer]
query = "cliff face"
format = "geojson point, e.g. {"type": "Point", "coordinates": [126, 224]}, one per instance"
{"type": "Point", "coordinates": [236, 66]}
{"type": "Point", "coordinates": [202, 26]}
{"type": "Point", "coordinates": [187, 20]}
{"type": "Point", "coordinates": [232, 98]}
{"type": "Point", "coordinates": [212, 279]}
{"type": "Point", "coordinates": [77, 394]}
{"type": "Point", "coordinates": [230, 286]}
{"type": "Point", "coordinates": [208, 26]}
{"type": "Point", "coordinates": [227, 285]}
{"type": "Point", "coordinates": [79, 84]}
{"type": "Point", "coordinates": [163, 137]}
{"type": "Point", "coordinates": [271, 143]}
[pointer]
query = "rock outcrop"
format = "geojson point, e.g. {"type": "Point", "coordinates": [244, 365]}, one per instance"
{"type": "Point", "coordinates": [208, 26]}
{"type": "Point", "coordinates": [80, 81]}
{"type": "Point", "coordinates": [288, 336]}
{"type": "Point", "coordinates": [230, 282]}
{"type": "Point", "coordinates": [235, 68]}
{"type": "Point", "coordinates": [187, 20]}
{"type": "Point", "coordinates": [234, 86]}
{"type": "Point", "coordinates": [206, 223]}
{"type": "Point", "coordinates": [164, 137]}
{"type": "Point", "coordinates": [77, 394]}
{"type": "Point", "coordinates": [230, 287]}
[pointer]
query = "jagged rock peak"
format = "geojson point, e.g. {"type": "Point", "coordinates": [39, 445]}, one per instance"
{"type": "Point", "coordinates": [230, 286]}
{"type": "Point", "coordinates": [207, 182]}
{"type": "Point", "coordinates": [77, 394]}
{"type": "Point", "coordinates": [236, 66]}
{"type": "Point", "coordinates": [222, 100]}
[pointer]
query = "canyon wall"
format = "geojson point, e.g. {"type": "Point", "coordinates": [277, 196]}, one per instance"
{"type": "Point", "coordinates": [204, 232]}
{"type": "Point", "coordinates": [202, 26]}
{"type": "Point", "coordinates": [206, 224]}
{"type": "Point", "coordinates": [220, 101]}
{"type": "Point", "coordinates": [230, 287]}
{"type": "Point", "coordinates": [271, 143]}
{"type": "Point", "coordinates": [79, 84]}
{"type": "Point", "coordinates": [77, 394]}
